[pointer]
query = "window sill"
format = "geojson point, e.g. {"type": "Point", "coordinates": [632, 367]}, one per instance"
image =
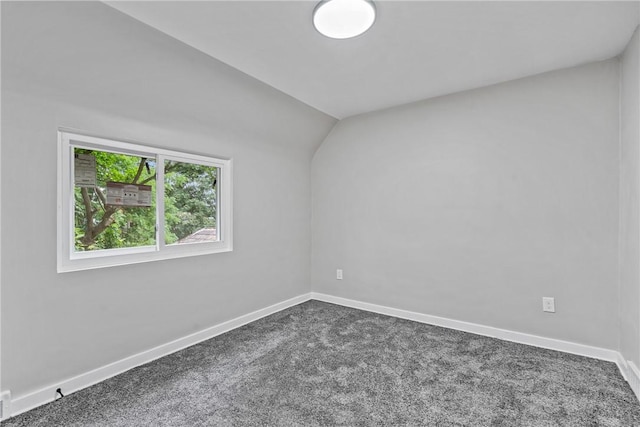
{"type": "Point", "coordinates": [139, 255]}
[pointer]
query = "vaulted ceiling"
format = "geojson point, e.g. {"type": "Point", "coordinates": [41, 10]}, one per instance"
{"type": "Point", "coordinates": [415, 50]}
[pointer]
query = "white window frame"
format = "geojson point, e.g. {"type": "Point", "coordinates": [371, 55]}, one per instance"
{"type": "Point", "coordinates": [70, 260]}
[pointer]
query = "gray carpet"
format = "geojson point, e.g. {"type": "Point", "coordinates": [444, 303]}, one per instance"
{"type": "Point", "coordinates": [318, 364]}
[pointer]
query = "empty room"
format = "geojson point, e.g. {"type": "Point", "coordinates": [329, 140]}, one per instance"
{"type": "Point", "coordinates": [320, 213]}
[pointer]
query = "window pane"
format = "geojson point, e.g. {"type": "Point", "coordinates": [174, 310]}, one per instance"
{"type": "Point", "coordinates": [190, 203]}
{"type": "Point", "coordinates": [114, 200]}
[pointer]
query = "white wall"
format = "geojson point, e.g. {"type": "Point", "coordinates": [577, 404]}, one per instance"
{"type": "Point", "coordinates": [630, 202]}
{"type": "Point", "coordinates": [474, 206]}
{"type": "Point", "coordinates": [3, 414]}
{"type": "Point", "coordinates": [87, 66]}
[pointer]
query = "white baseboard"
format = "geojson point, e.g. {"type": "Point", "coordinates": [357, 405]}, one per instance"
{"type": "Point", "coordinates": [634, 378]}
{"type": "Point", "coordinates": [45, 395]}
{"type": "Point", "coordinates": [631, 373]}
{"type": "Point", "coordinates": [628, 369]}
{"type": "Point", "coordinates": [5, 397]}
{"type": "Point", "coordinates": [503, 334]}
{"type": "Point", "coordinates": [624, 367]}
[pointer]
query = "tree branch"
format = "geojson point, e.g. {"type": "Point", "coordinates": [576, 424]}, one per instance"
{"type": "Point", "coordinates": [107, 220]}
{"type": "Point", "coordinates": [167, 169]}
{"type": "Point", "coordinates": [103, 199]}
{"type": "Point", "coordinates": [143, 160]}
{"type": "Point", "coordinates": [93, 231]}
{"type": "Point", "coordinates": [151, 178]}
{"type": "Point", "coordinates": [87, 239]}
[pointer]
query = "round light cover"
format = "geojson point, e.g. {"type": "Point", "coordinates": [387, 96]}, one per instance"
{"type": "Point", "coordinates": [343, 19]}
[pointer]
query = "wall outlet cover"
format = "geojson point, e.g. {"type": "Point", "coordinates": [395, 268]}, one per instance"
{"type": "Point", "coordinates": [548, 304]}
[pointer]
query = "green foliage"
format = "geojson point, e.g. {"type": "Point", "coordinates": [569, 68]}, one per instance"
{"type": "Point", "coordinates": [190, 203]}
{"type": "Point", "coordinates": [190, 199]}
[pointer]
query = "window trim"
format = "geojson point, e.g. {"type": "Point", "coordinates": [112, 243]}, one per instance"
{"type": "Point", "coordinates": [70, 260]}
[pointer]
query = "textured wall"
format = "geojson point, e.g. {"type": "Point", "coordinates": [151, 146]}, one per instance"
{"type": "Point", "coordinates": [474, 206]}
{"type": "Point", "coordinates": [630, 202]}
{"type": "Point", "coordinates": [86, 66]}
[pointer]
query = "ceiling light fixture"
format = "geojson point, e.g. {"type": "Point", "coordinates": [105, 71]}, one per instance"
{"type": "Point", "coordinates": [343, 19]}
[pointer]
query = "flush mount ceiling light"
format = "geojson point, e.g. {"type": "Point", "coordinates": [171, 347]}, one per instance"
{"type": "Point", "coordinates": [343, 19]}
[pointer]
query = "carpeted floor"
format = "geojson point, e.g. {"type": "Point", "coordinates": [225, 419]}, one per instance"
{"type": "Point", "coordinates": [322, 364]}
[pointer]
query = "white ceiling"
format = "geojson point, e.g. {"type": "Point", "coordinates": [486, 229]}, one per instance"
{"type": "Point", "coordinates": [415, 50]}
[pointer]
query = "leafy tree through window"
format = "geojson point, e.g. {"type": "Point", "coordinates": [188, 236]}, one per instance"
{"type": "Point", "coordinates": [117, 194]}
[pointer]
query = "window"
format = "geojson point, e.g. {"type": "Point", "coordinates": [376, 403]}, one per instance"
{"type": "Point", "coordinates": [122, 203]}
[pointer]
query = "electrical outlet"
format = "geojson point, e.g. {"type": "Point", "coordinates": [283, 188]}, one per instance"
{"type": "Point", "coordinates": [339, 274]}
{"type": "Point", "coordinates": [549, 304]}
